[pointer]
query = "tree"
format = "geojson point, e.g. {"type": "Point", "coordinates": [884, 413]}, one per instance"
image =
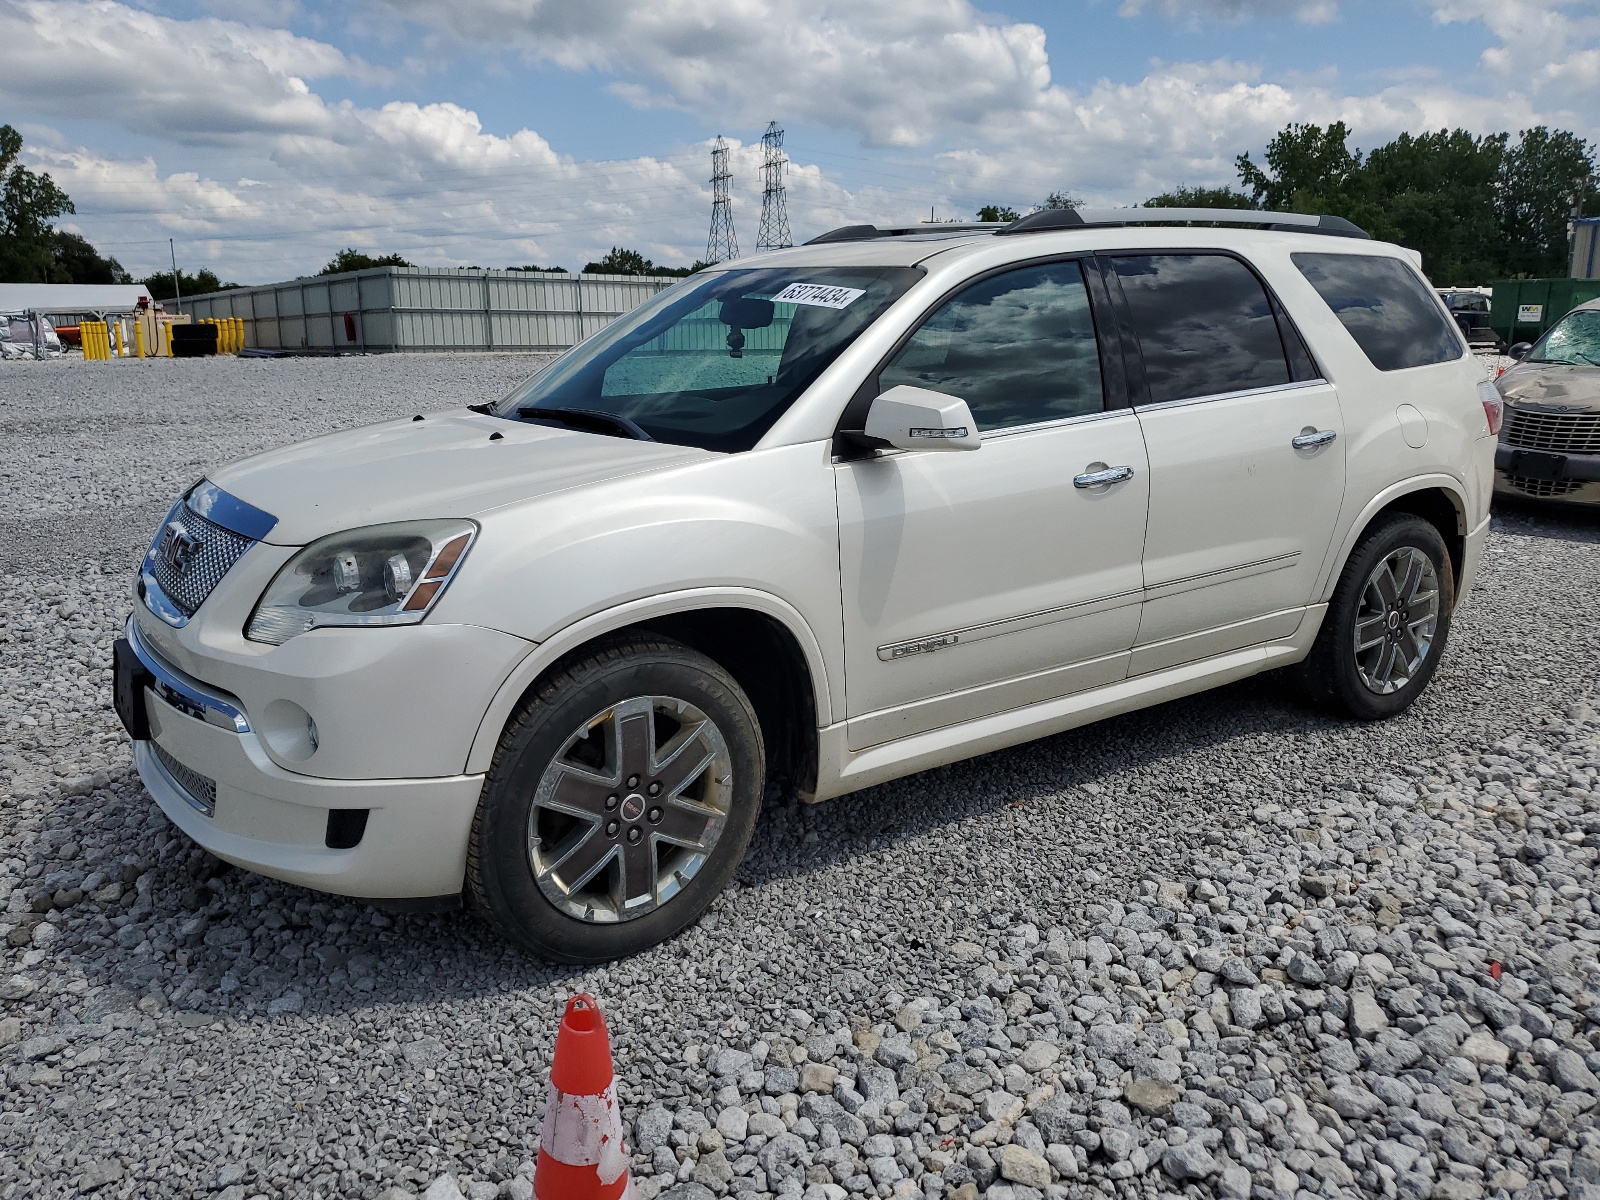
{"type": "Point", "coordinates": [1059, 199]}
{"type": "Point", "coordinates": [74, 260]}
{"type": "Point", "coordinates": [1435, 192]}
{"type": "Point", "coordinates": [621, 262]}
{"type": "Point", "coordinates": [1545, 180]}
{"type": "Point", "coordinates": [198, 284]}
{"type": "Point", "coordinates": [997, 212]}
{"type": "Point", "coordinates": [1183, 196]}
{"type": "Point", "coordinates": [351, 259]}
{"type": "Point", "coordinates": [1313, 171]}
{"type": "Point", "coordinates": [28, 202]}
{"type": "Point", "coordinates": [532, 267]}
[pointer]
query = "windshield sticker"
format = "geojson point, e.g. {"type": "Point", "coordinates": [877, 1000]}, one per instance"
{"type": "Point", "coordinates": [822, 295]}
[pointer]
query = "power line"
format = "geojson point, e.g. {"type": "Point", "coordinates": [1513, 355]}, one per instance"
{"type": "Point", "coordinates": [721, 245]}
{"type": "Point", "coordinates": [774, 233]}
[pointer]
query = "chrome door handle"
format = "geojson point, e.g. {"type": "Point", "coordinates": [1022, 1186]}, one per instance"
{"type": "Point", "coordinates": [1310, 441]}
{"type": "Point", "coordinates": [1110, 475]}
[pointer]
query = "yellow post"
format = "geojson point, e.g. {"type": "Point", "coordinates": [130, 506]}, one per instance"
{"type": "Point", "coordinates": [138, 338]}
{"type": "Point", "coordinates": [238, 334]}
{"type": "Point", "coordinates": [116, 331]}
{"type": "Point", "coordinates": [166, 338]}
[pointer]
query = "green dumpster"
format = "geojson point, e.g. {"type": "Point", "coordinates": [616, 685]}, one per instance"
{"type": "Point", "coordinates": [1522, 309]}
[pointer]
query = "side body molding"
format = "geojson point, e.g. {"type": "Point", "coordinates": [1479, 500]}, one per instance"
{"type": "Point", "coordinates": [623, 615]}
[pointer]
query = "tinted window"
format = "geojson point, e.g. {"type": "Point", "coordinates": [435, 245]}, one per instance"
{"type": "Point", "coordinates": [1017, 347]}
{"type": "Point", "coordinates": [1393, 317]}
{"type": "Point", "coordinates": [715, 360]}
{"type": "Point", "coordinates": [1204, 324]}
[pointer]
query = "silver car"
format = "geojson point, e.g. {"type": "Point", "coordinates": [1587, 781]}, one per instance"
{"type": "Point", "coordinates": [1550, 441]}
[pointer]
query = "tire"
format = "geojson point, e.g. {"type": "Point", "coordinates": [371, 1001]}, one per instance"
{"type": "Point", "coordinates": [557, 802]}
{"type": "Point", "coordinates": [1385, 680]}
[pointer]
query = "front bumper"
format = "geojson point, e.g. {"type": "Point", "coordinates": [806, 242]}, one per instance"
{"type": "Point", "coordinates": [1545, 475]}
{"type": "Point", "coordinates": [216, 780]}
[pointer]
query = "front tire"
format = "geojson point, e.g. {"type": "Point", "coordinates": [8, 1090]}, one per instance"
{"type": "Point", "coordinates": [1387, 624]}
{"type": "Point", "coordinates": [621, 798]}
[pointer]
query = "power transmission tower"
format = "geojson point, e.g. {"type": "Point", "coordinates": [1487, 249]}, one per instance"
{"type": "Point", "coordinates": [774, 233]}
{"type": "Point", "coordinates": [721, 244]}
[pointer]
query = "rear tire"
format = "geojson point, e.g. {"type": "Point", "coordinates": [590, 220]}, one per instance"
{"type": "Point", "coordinates": [621, 798]}
{"type": "Point", "coordinates": [1387, 624]}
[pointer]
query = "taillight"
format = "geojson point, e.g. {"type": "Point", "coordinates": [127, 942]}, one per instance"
{"type": "Point", "coordinates": [1494, 408]}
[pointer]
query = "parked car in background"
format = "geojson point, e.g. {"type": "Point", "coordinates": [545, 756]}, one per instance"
{"type": "Point", "coordinates": [801, 524]}
{"type": "Point", "coordinates": [1550, 441]}
{"type": "Point", "coordinates": [1471, 307]}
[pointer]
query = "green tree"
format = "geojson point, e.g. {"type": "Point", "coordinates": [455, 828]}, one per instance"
{"type": "Point", "coordinates": [74, 260]}
{"type": "Point", "coordinates": [198, 284]}
{"type": "Point", "coordinates": [1059, 199]}
{"type": "Point", "coordinates": [1183, 196]}
{"type": "Point", "coordinates": [28, 202]}
{"type": "Point", "coordinates": [533, 267]}
{"type": "Point", "coordinates": [1545, 180]}
{"type": "Point", "coordinates": [622, 262]}
{"type": "Point", "coordinates": [1435, 192]}
{"type": "Point", "coordinates": [997, 212]}
{"type": "Point", "coordinates": [351, 259]}
{"type": "Point", "coordinates": [1312, 171]}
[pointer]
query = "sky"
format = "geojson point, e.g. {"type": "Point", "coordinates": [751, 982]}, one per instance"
{"type": "Point", "coordinates": [262, 136]}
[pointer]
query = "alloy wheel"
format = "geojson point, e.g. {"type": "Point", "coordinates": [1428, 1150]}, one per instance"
{"type": "Point", "coordinates": [1397, 619]}
{"type": "Point", "coordinates": [629, 810]}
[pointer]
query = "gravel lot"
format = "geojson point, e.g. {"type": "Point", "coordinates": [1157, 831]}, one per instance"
{"type": "Point", "coordinates": [1223, 947]}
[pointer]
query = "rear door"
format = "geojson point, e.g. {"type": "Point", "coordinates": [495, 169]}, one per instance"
{"type": "Point", "coordinates": [979, 581]}
{"type": "Point", "coordinates": [1246, 456]}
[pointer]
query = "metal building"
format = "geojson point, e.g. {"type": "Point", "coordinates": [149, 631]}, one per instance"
{"type": "Point", "coordinates": [1586, 248]}
{"type": "Point", "coordinates": [419, 309]}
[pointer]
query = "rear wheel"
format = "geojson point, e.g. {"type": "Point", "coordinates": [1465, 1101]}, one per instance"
{"type": "Point", "coordinates": [1387, 623]}
{"type": "Point", "coordinates": [620, 801]}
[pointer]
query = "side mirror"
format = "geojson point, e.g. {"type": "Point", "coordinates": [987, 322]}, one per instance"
{"type": "Point", "coordinates": [1520, 350]}
{"type": "Point", "coordinates": [913, 418]}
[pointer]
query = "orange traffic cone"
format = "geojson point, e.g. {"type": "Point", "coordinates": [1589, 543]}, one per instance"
{"type": "Point", "coordinates": [581, 1155]}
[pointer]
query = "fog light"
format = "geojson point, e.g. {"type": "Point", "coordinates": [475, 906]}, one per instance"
{"type": "Point", "coordinates": [288, 731]}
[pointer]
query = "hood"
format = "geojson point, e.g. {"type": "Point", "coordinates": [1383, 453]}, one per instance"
{"type": "Point", "coordinates": [442, 466]}
{"type": "Point", "coordinates": [1552, 385]}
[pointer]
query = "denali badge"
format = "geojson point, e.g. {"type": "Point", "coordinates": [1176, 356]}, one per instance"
{"type": "Point", "coordinates": [925, 646]}
{"type": "Point", "coordinates": [949, 431]}
{"type": "Point", "coordinates": [176, 545]}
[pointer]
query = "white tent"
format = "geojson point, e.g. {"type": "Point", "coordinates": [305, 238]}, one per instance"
{"type": "Point", "coordinates": [66, 299]}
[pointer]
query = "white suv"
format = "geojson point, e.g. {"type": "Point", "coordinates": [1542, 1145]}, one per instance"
{"type": "Point", "coordinates": [809, 521]}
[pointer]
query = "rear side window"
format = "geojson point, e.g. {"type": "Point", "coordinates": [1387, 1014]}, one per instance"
{"type": "Point", "coordinates": [1394, 319]}
{"type": "Point", "coordinates": [1018, 347]}
{"type": "Point", "coordinates": [1204, 323]}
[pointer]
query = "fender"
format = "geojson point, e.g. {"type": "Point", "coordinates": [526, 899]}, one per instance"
{"type": "Point", "coordinates": [1449, 484]}
{"type": "Point", "coordinates": [667, 603]}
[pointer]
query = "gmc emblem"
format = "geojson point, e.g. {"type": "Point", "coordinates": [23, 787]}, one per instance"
{"type": "Point", "coordinates": [177, 544]}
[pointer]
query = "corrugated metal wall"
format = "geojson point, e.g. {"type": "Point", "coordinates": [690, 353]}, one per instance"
{"type": "Point", "coordinates": [418, 309]}
{"type": "Point", "coordinates": [1586, 248]}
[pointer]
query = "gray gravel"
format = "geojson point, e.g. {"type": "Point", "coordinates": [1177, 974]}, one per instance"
{"type": "Point", "coordinates": [1223, 947]}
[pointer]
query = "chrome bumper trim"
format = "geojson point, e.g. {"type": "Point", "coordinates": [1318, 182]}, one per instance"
{"type": "Point", "coordinates": [185, 694]}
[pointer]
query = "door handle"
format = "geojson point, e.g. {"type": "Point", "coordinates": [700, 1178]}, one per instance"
{"type": "Point", "coordinates": [1103, 477]}
{"type": "Point", "coordinates": [1313, 438]}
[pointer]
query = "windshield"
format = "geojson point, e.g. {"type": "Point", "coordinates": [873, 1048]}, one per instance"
{"type": "Point", "coordinates": [714, 361]}
{"type": "Point", "coordinates": [1467, 302]}
{"type": "Point", "coordinates": [1573, 339]}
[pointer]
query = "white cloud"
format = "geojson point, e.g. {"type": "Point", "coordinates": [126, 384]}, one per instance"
{"type": "Point", "coordinates": [1311, 12]}
{"type": "Point", "coordinates": [278, 177]}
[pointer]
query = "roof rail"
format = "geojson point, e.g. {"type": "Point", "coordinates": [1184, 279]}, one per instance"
{"type": "Point", "coordinates": [854, 233]}
{"type": "Point", "coordinates": [1066, 218]}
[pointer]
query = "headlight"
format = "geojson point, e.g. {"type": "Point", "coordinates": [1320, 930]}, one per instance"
{"type": "Point", "coordinates": [380, 575]}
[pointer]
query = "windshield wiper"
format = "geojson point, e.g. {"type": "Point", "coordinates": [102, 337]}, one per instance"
{"type": "Point", "coordinates": [588, 420]}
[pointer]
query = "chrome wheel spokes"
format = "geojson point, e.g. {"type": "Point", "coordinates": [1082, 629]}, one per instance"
{"type": "Point", "coordinates": [628, 811]}
{"type": "Point", "coordinates": [1396, 620]}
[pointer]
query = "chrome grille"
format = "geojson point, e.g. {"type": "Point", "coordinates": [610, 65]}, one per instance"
{"type": "Point", "coordinates": [1571, 433]}
{"type": "Point", "coordinates": [196, 788]}
{"type": "Point", "coordinates": [1544, 488]}
{"type": "Point", "coordinates": [188, 579]}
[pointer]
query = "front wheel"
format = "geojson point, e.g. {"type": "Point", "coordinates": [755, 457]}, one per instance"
{"type": "Point", "coordinates": [620, 801]}
{"type": "Point", "coordinates": [1387, 623]}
